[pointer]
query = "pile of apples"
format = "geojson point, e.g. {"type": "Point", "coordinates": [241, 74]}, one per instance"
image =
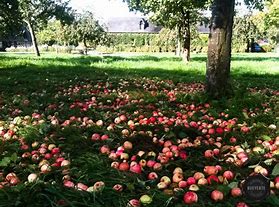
{"type": "Point", "coordinates": [156, 141]}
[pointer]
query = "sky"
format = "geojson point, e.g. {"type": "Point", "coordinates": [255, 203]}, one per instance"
{"type": "Point", "coordinates": [104, 9]}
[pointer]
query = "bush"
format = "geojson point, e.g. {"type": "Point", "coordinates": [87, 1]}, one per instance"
{"type": "Point", "coordinates": [42, 48]}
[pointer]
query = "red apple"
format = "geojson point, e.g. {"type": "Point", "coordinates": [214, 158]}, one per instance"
{"type": "Point", "coordinates": [212, 178]}
{"type": "Point", "coordinates": [191, 180]}
{"type": "Point", "coordinates": [124, 166]}
{"type": "Point", "coordinates": [157, 166]}
{"type": "Point", "coordinates": [183, 155]}
{"type": "Point", "coordinates": [104, 137]}
{"type": "Point", "coordinates": [48, 156]}
{"type": "Point", "coordinates": [133, 203]}
{"type": "Point", "coordinates": [81, 186]}
{"type": "Point", "coordinates": [178, 170]}
{"type": "Point", "coordinates": [219, 130]}
{"type": "Point", "coordinates": [208, 154]}
{"type": "Point", "coordinates": [135, 168]}
{"type": "Point", "coordinates": [69, 184]}
{"type": "Point", "coordinates": [235, 192]}
{"type": "Point", "coordinates": [228, 175]}
{"type": "Point", "coordinates": [45, 168]}
{"type": "Point", "coordinates": [202, 181]}
{"type": "Point", "coordinates": [182, 184]}
{"type": "Point", "coordinates": [190, 197]}
{"type": "Point", "coordinates": [98, 186]}
{"type": "Point", "coordinates": [177, 177]}
{"type": "Point", "coordinates": [14, 181]}
{"type": "Point", "coordinates": [105, 149]}
{"type": "Point", "coordinates": [123, 117]}
{"type": "Point", "coordinates": [118, 188]}
{"type": "Point", "coordinates": [217, 195]}
{"type": "Point", "coordinates": [216, 151]}
{"type": "Point", "coordinates": [198, 175]}
{"type": "Point", "coordinates": [241, 204]}
{"type": "Point", "coordinates": [114, 165]}
{"type": "Point", "coordinates": [150, 163]}
{"type": "Point", "coordinates": [211, 170]}
{"type": "Point", "coordinates": [127, 145]}
{"type": "Point", "coordinates": [95, 137]}
{"type": "Point", "coordinates": [152, 176]}
{"type": "Point", "coordinates": [211, 131]}
{"type": "Point", "coordinates": [245, 129]}
{"type": "Point", "coordinates": [65, 163]}
{"type": "Point", "coordinates": [10, 176]}
{"type": "Point", "coordinates": [233, 140]}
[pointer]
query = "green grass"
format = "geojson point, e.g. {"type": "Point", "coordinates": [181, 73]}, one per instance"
{"type": "Point", "coordinates": [259, 70]}
{"type": "Point", "coordinates": [52, 80]}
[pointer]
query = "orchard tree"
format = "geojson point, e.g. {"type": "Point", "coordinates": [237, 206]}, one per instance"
{"type": "Point", "coordinates": [272, 17]}
{"type": "Point", "coordinates": [219, 46]}
{"type": "Point", "coordinates": [9, 17]}
{"type": "Point", "coordinates": [245, 29]}
{"type": "Point", "coordinates": [54, 33]}
{"type": "Point", "coordinates": [173, 14]}
{"type": "Point", "coordinates": [36, 14]}
{"type": "Point", "coordinates": [87, 30]}
{"type": "Point", "coordinates": [271, 20]}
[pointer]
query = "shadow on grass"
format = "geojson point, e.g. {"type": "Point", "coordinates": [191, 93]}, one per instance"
{"type": "Point", "coordinates": [31, 74]}
{"type": "Point", "coordinates": [92, 59]}
{"type": "Point", "coordinates": [240, 58]}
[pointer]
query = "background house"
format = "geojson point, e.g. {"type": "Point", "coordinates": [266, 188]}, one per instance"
{"type": "Point", "coordinates": [131, 25]}
{"type": "Point", "coordinates": [140, 25]}
{"type": "Point", "coordinates": [21, 39]}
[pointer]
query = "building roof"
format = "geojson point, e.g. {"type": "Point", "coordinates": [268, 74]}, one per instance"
{"type": "Point", "coordinates": [203, 29]}
{"type": "Point", "coordinates": [140, 25]}
{"type": "Point", "coordinates": [131, 25]}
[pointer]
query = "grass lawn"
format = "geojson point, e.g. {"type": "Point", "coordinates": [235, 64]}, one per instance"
{"type": "Point", "coordinates": [72, 122]}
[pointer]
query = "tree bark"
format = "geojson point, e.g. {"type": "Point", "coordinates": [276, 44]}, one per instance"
{"type": "Point", "coordinates": [219, 49]}
{"type": "Point", "coordinates": [178, 42]}
{"type": "Point", "coordinates": [85, 46]}
{"type": "Point", "coordinates": [187, 38]}
{"type": "Point", "coordinates": [33, 37]}
{"type": "Point", "coordinates": [247, 45]}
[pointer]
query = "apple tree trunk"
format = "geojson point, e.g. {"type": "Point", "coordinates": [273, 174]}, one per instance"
{"type": "Point", "coordinates": [219, 49]}
{"type": "Point", "coordinates": [178, 42]}
{"type": "Point", "coordinates": [85, 46]}
{"type": "Point", "coordinates": [33, 37]}
{"type": "Point", "coordinates": [186, 38]}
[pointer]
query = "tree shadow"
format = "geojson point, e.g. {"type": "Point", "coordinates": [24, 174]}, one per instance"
{"type": "Point", "coordinates": [87, 60]}
{"type": "Point", "coordinates": [56, 70]}
{"type": "Point", "coordinates": [254, 58]}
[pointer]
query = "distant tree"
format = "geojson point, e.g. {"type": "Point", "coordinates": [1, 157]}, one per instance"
{"type": "Point", "coordinates": [271, 20]}
{"type": "Point", "coordinates": [179, 14]}
{"type": "Point", "coordinates": [9, 17]}
{"type": "Point", "coordinates": [245, 29]}
{"type": "Point", "coordinates": [87, 30]}
{"type": "Point", "coordinates": [36, 14]}
{"type": "Point", "coordinates": [54, 33]}
{"type": "Point", "coordinates": [272, 17]}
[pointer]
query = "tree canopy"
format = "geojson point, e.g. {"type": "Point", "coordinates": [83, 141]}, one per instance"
{"type": "Point", "coordinates": [179, 14]}
{"type": "Point", "coordinates": [87, 30]}
{"type": "Point", "coordinates": [9, 17]}
{"type": "Point", "coordinates": [37, 13]}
